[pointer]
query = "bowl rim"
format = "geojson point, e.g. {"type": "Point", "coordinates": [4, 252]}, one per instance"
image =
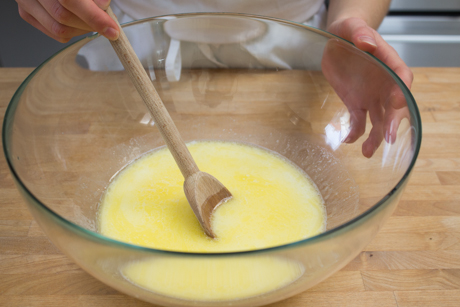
{"type": "Point", "coordinates": [95, 236]}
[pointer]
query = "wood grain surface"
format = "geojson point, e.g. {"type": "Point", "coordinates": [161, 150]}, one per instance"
{"type": "Point", "coordinates": [413, 261]}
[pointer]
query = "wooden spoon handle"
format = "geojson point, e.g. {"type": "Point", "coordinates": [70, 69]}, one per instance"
{"type": "Point", "coordinates": [153, 102]}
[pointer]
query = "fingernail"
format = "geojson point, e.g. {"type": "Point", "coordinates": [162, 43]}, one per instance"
{"type": "Point", "coordinates": [63, 40]}
{"type": "Point", "coordinates": [110, 33]}
{"type": "Point", "coordinates": [103, 4]}
{"type": "Point", "coordinates": [368, 40]}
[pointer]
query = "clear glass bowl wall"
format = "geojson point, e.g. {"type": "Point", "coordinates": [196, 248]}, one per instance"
{"type": "Point", "coordinates": [77, 120]}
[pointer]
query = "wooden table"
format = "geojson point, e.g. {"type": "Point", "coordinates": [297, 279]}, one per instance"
{"type": "Point", "coordinates": [420, 268]}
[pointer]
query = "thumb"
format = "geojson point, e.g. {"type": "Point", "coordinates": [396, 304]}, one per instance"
{"type": "Point", "coordinates": [356, 31]}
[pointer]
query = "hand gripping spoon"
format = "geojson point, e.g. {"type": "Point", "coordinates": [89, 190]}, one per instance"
{"type": "Point", "coordinates": [204, 192]}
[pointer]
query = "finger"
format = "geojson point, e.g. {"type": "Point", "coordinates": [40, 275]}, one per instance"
{"type": "Point", "coordinates": [397, 99]}
{"type": "Point", "coordinates": [373, 141]}
{"type": "Point", "coordinates": [58, 31]}
{"type": "Point", "coordinates": [34, 22]}
{"type": "Point", "coordinates": [94, 16]}
{"type": "Point", "coordinates": [357, 125]}
{"type": "Point", "coordinates": [367, 39]}
{"type": "Point", "coordinates": [358, 32]}
{"type": "Point", "coordinates": [393, 118]}
{"type": "Point", "coordinates": [390, 57]}
{"type": "Point", "coordinates": [63, 15]}
{"type": "Point", "coordinates": [403, 71]}
{"type": "Point", "coordinates": [375, 138]}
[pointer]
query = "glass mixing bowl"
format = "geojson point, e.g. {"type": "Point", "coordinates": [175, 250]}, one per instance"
{"type": "Point", "coordinates": [293, 89]}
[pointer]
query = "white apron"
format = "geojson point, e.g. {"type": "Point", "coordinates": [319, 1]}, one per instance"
{"type": "Point", "coordinates": [309, 12]}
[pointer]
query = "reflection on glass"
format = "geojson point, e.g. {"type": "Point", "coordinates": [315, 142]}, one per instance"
{"type": "Point", "coordinates": [337, 130]}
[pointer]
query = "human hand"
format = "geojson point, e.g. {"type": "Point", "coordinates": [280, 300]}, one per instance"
{"type": "Point", "coordinates": [64, 19]}
{"type": "Point", "coordinates": [362, 86]}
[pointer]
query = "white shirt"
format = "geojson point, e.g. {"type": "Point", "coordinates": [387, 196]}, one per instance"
{"type": "Point", "coordinates": [294, 10]}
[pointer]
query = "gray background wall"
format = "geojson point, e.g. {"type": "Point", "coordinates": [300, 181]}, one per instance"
{"type": "Point", "coordinates": [21, 45]}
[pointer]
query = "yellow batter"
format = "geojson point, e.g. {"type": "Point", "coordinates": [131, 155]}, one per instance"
{"type": "Point", "coordinates": [273, 203]}
{"type": "Point", "coordinates": [212, 279]}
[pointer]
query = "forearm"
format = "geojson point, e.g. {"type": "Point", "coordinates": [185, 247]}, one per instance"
{"type": "Point", "coordinates": [371, 11]}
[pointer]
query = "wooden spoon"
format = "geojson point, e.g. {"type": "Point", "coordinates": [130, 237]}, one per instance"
{"type": "Point", "coordinates": [203, 191]}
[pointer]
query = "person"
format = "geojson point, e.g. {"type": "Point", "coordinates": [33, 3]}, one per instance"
{"type": "Point", "coordinates": [353, 20]}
